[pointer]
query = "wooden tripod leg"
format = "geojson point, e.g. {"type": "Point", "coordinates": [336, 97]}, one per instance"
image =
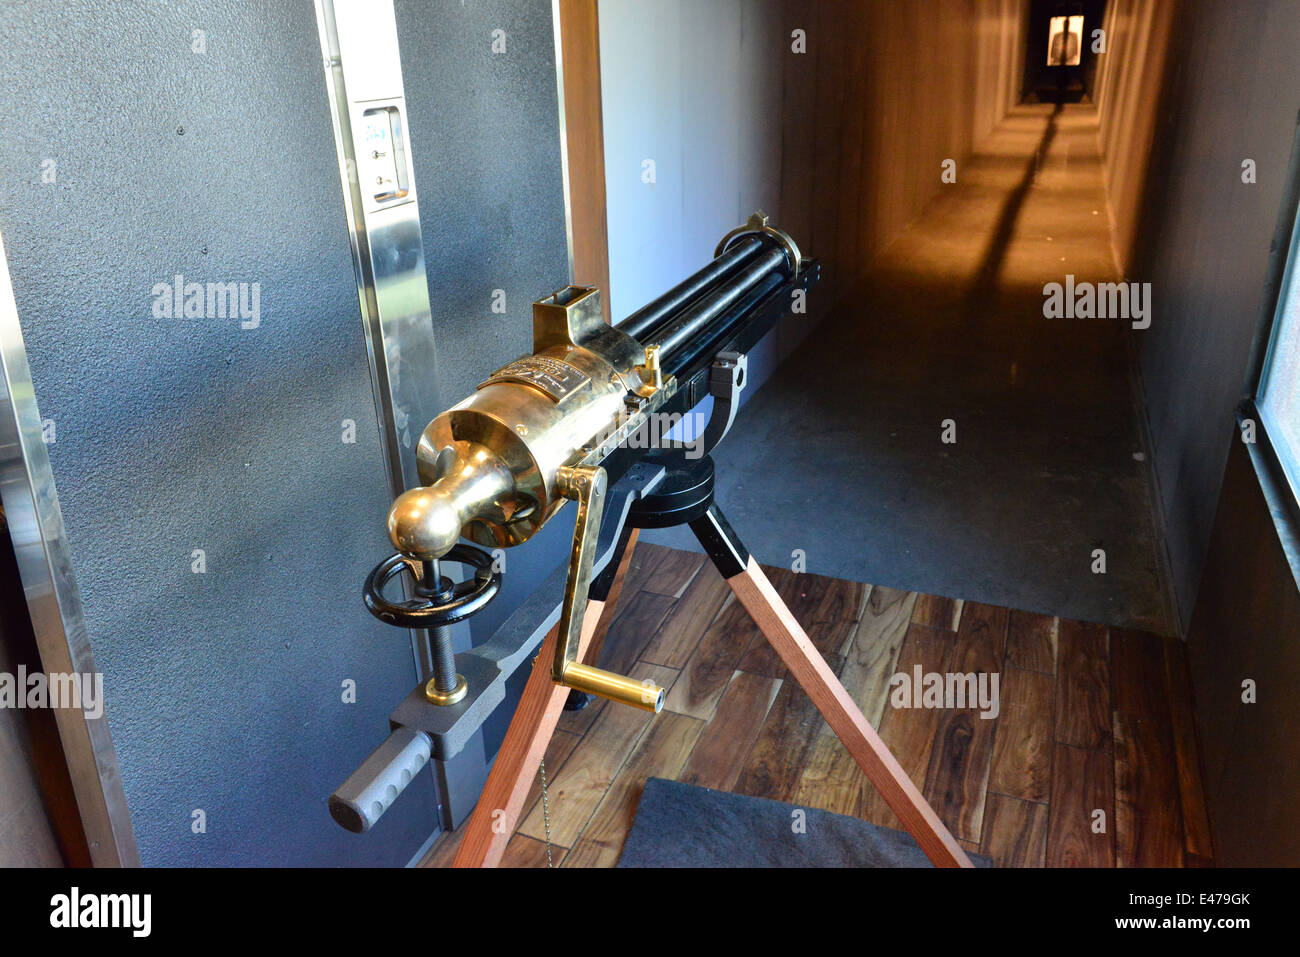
{"type": "Point", "coordinates": [496, 815]}
{"type": "Point", "coordinates": [773, 618]}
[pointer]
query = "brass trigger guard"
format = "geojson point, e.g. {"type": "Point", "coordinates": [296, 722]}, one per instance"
{"type": "Point", "coordinates": [587, 484]}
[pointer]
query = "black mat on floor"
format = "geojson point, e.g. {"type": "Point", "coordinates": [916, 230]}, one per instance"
{"type": "Point", "coordinates": [681, 825]}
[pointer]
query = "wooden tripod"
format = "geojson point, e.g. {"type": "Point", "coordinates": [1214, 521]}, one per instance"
{"type": "Point", "coordinates": [496, 815]}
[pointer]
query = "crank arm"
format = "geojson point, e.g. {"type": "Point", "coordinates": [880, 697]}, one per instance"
{"type": "Point", "coordinates": [586, 484]}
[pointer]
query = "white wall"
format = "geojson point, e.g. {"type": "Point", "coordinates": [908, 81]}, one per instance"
{"type": "Point", "coordinates": [695, 86]}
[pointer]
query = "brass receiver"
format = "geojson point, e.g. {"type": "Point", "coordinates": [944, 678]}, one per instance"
{"type": "Point", "coordinates": [535, 433]}
{"type": "Point", "coordinates": [501, 463]}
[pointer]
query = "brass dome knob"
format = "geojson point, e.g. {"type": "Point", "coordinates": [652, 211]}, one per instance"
{"type": "Point", "coordinates": [424, 523]}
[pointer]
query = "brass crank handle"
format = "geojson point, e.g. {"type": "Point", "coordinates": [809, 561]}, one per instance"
{"type": "Point", "coordinates": [587, 484]}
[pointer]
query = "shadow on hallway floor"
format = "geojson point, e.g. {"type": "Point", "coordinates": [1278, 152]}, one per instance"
{"type": "Point", "coordinates": [840, 453]}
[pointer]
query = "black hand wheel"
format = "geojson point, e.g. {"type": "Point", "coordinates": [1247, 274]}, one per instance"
{"type": "Point", "coordinates": [435, 603]}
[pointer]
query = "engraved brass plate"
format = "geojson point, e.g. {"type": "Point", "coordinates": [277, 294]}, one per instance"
{"type": "Point", "coordinates": [556, 378]}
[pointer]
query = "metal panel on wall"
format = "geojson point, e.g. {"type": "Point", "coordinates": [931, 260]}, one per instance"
{"type": "Point", "coordinates": [169, 198]}
{"type": "Point", "coordinates": [485, 137]}
{"type": "Point", "coordinates": [482, 95]}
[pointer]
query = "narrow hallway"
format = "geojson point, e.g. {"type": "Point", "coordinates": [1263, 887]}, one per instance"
{"type": "Point", "coordinates": [1047, 480]}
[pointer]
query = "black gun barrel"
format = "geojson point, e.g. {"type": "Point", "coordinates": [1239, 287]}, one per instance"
{"type": "Point", "coordinates": [678, 320]}
{"type": "Point", "coordinates": [652, 315]}
{"type": "Point", "coordinates": [696, 319]}
{"type": "Point", "coordinates": [702, 346]}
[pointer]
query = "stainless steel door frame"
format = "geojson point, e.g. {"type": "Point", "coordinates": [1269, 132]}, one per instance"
{"type": "Point", "coordinates": [359, 42]}
{"type": "Point", "coordinates": [363, 72]}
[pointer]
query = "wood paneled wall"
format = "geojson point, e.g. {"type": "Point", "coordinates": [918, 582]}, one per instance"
{"type": "Point", "coordinates": [585, 144]}
{"type": "Point", "coordinates": [27, 836]}
{"type": "Point", "coordinates": [885, 93]}
{"type": "Point", "coordinates": [1131, 77]}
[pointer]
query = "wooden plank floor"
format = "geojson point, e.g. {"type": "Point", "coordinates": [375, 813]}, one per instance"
{"type": "Point", "coordinates": [1091, 760]}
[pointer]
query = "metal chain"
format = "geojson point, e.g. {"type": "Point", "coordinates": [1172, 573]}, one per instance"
{"type": "Point", "coordinates": [546, 814]}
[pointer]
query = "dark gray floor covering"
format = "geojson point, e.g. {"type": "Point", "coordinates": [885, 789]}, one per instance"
{"type": "Point", "coordinates": [682, 825]}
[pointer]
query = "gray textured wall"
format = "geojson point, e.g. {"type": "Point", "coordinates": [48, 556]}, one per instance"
{"type": "Point", "coordinates": [1204, 239]}
{"type": "Point", "coordinates": [486, 143]}
{"type": "Point", "coordinates": [223, 688]}
{"type": "Point", "coordinates": [1202, 236]}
